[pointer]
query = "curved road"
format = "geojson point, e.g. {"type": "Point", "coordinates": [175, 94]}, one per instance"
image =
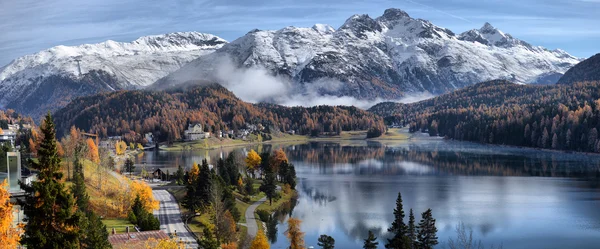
{"type": "Point", "coordinates": [251, 220]}
{"type": "Point", "coordinates": [169, 216]}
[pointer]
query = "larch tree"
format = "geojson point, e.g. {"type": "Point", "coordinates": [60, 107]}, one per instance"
{"type": "Point", "coordinates": [92, 150]}
{"type": "Point", "coordinates": [371, 241]}
{"type": "Point", "coordinates": [9, 234]}
{"type": "Point", "coordinates": [252, 162]}
{"type": "Point", "coordinates": [294, 234]}
{"type": "Point", "coordinates": [52, 220]}
{"type": "Point", "coordinates": [260, 241]}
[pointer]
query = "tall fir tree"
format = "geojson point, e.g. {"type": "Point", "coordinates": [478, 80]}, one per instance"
{"type": "Point", "coordinates": [179, 175]}
{"type": "Point", "coordinates": [399, 230]}
{"type": "Point", "coordinates": [51, 216]}
{"type": "Point", "coordinates": [204, 188]}
{"type": "Point", "coordinates": [269, 186]}
{"type": "Point", "coordinates": [427, 235]}
{"type": "Point", "coordinates": [412, 229]}
{"type": "Point", "coordinates": [371, 241]}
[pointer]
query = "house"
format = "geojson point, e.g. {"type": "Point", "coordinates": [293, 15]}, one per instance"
{"type": "Point", "coordinates": [107, 144]}
{"type": "Point", "coordinates": [195, 132]}
{"type": "Point", "coordinates": [161, 173]}
{"type": "Point", "coordinates": [291, 132]}
{"type": "Point", "coordinates": [149, 137]}
{"type": "Point", "coordinates": [135, 240]}
{"type": "Point", "coordinates": [8, 136]}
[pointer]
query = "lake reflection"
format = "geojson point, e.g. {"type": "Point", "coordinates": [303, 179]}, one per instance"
{"type": "Point", "coordinates": [521, 198]}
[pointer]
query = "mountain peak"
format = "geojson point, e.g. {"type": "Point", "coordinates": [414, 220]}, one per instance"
{"type": "Point", "coordinates": [394, 14]}
{"type": "Point", "coordinates": [359, 24]}
{"type": "Point", "coordinates": [487, 28]}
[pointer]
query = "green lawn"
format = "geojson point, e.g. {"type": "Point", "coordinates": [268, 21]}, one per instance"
{"type": "Point", "coordinates": [118, 224]}
{"type": "Point", "coordinates": [242, 206]}
{"type": "Point", "coordinates": [276, 204]}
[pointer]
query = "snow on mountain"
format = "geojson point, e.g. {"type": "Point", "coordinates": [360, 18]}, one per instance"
{"type": "Point", "coordinates": [387, 57]}
{"type": "Point", "coordinates": [120, 65]}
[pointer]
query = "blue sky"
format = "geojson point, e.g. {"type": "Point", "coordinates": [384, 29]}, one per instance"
{"type": "Point", "coordinates": [27, 26]}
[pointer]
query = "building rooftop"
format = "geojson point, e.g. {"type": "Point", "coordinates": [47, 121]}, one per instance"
{"type": "Point", "coordinates": [135, 240]}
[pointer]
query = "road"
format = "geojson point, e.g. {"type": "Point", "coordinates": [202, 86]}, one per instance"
{"type": "Point", "coordinates": [169, 216]}
{"type": "Point", "coordinates": [251, 220]}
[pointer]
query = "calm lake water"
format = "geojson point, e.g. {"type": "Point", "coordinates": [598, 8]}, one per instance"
{"type": "Point", "coordinates": [520, 198]}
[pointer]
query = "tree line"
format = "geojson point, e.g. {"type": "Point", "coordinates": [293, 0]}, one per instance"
{"type": "Point", "coordinates": [167, 114]}
{"type": "Point", "coordinates": [561, 117]}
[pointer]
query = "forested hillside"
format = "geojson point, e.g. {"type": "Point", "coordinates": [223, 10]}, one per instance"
{"type": "Point", "coordinates": [565, 117]}
{"type": "Point", "coordinates": [167, 114]}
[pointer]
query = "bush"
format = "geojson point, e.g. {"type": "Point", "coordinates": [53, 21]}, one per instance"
{"type": "Point", "coordinates": [374, 132]}
{"type": "Point", "coordinates": [246, 199]}
{"type": "Point", "coordinates": [263, 215]}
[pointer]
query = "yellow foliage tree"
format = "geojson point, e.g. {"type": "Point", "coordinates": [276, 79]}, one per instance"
{"type": "Point", "coordinates": [1, 131]}
{"type": "Point", "coordinates": [153, 243]}
{"type": "Point", "coordinates": [60, 150]}
{"type": "Point", "coordinates": [260, 242]}
{"type": "Point", "coordinates": [93, 154]}
{"type": "Point", "coordinates": [252, 161]}
{"type": "Point", "coordinates": [240, 182]}
{"type": "Point", "coordinates": [140, 147]}
{"type": "Point", "coordinates": [144, 191]}
{"type": "Point", "coordinates": [193, 174]}
{"type": "Point", "coordinates": [120, 147]}
{"type": "Point", "coordinates": [294, 235]}
{"type": "Point", "coordinates": [9, 234]}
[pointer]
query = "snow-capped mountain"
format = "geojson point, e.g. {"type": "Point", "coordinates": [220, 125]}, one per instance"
{"type": "Point", "coordinates": [46, 80]}
{"type": "Point", "coordinates": [385, 57]}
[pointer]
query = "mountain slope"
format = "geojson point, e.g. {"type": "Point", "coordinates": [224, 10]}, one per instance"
{"type": "Point", "coordinates": [587, 70]}
{"type": "Point", "coordinates": [561, 117]}
{"type": "Point", "coordinates": [132, 113]}
{"type": "Point", "coordinates": [104, 66]}
{"type": "Point", "coordinates": [385, 57]}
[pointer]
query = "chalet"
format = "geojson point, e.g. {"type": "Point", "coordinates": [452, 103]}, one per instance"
{"type": "Point", "coordinates": [195, 132]}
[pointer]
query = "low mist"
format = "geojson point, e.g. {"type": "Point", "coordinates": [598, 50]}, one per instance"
{"type": "Point", "coordinates": [256, 85]}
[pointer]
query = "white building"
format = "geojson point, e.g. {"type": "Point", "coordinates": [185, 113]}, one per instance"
{"type": "Point", "coordinates": [195, 132]}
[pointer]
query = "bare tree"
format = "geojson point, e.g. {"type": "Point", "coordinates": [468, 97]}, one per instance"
{"type": "Point", "coordinates": [464, 239]}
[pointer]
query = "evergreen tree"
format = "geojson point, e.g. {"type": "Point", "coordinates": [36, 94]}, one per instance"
{"type": "Point", "coordinates": [129, 166]}
{"type": "Point", "coordinates": [399, 230]}
{"type": "Point", "coordinates": [179, 175]}
{"type": "Point", "coordinates": [326, 242]}
{"type": "Point", "coordinates": [232, 168]}
{"type": "Point", "coordinates": [141, 217]}
{"type": "Point", "coordinates": [249, 187]}
{"type": "Point", "coordinates": [290, 175]}
{"type": "Point", "coordinates": [93, 231]}
{"type": "Point", "coordinates": [412, 229]}
{"type": "Point", "coordinates": [51, 216]}
{"type": "Point", "coordinates": [204, 185]}
{"type": "Point", "coordinates": [426, 236]}
{"type": "Point", "coordinates": [223, 172]}
{"type": "Point", "coordinates": [269, 186]}
{"type": "Point", "coordinates": [371, 241]}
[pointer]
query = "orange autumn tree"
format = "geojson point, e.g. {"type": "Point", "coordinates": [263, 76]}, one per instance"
{"type": "Point", "coordinates": [260, 242]}
{"type": "Point", "coordinates": [93, 154]}
{"type": "Point", "coordinates": [277, 159]}
{"type": "Point", "coordinates": [294, 235]}
{"type": "Point", "coordinates": [9, 234]}
{"type": "Point", "coordinates": [231, 245]}
{"type": "Point", "coordinates": [252, 162]}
